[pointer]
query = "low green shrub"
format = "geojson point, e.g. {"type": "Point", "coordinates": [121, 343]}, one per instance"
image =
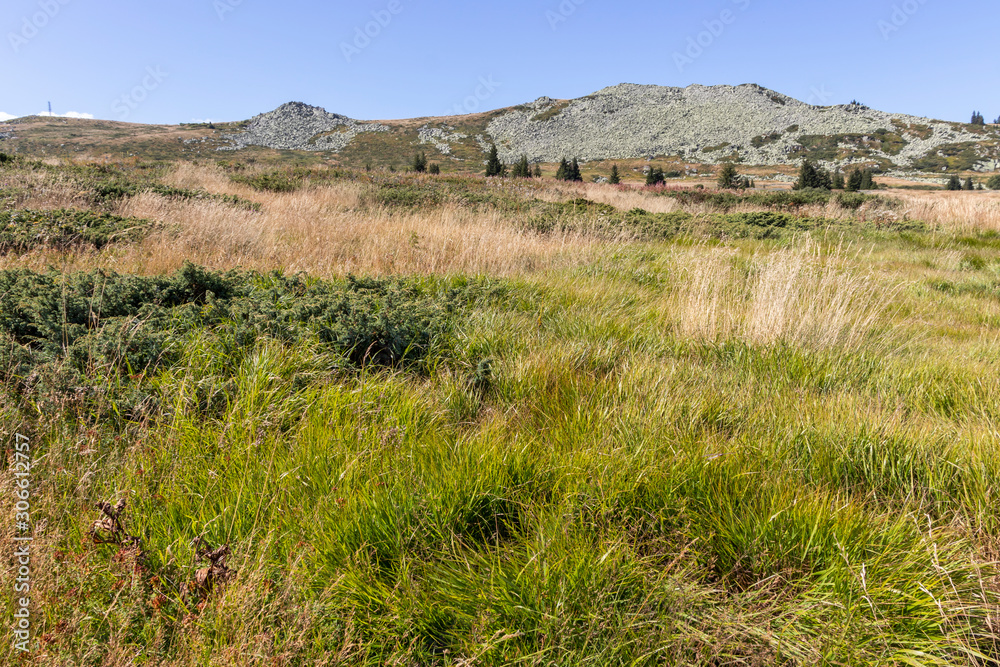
{"type": "Point", "coordinates": [404, 195]}
{"type": "Point", "coordinates": [109, 193]}
{"type": "Point", "coordinates": [270, 181]}
{"type": "Point", "coordinates": [23, 230]}
{"type": "Point", "coordinates": [62, 333]}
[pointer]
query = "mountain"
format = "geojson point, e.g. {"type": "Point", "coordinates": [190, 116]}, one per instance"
{"type": "Point", "coordinates": [698, 123]}
{"type": "Point", "coordinates": [702, 124]}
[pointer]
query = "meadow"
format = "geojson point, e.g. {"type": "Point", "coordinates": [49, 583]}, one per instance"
{"type": "Point", "coordinates": [444, 420]}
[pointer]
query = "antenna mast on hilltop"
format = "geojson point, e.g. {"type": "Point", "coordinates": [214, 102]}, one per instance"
{"type": "Point", "coordinates": [50, 108]}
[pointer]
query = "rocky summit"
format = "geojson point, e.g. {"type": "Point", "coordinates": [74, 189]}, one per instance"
{"type": "Point", "coordinates": [713, 123]}
{"type": "Point", "coordinates": [298, 126]}
{"type": "Point", "coordinates": [699, 123]}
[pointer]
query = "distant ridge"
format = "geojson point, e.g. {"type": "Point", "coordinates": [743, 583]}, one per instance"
{"type": "Point", "coordinates": [700, 123]}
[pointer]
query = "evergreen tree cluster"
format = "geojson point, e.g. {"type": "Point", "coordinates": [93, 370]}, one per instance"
{"type": "Point", "coordinates": [955, 184]}
{"type": "Point", "coordinates": [977, 118]}
{"type": "Point", "coordinates": [860, 179]}
{"type": "Point", "coordinates": [655, 176]}
{"type": "Point", "coordinates": [522, 169]}
{"type": "Point", "coordinates": [569, 171]}
{"type": "Point", "coordinates": [813, 177]}
{"type": "Point", "coordinates": [729, 179]}
{"type": "Point", "coordinates": [419, 163]}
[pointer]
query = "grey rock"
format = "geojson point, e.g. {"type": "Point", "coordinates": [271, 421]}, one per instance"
{"type": "Point", "coordinates": [298, 126]}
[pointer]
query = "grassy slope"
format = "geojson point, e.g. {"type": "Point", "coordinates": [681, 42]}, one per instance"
{"type": "Point", "coordinates": [773, 451]}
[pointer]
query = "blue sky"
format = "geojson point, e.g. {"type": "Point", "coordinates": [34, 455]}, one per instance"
{"type": "Point", "coordinates": [185, 60]}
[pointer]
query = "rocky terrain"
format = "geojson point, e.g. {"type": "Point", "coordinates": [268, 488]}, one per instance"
{"type": "Point", "coordinates": [698, 123]}
{"type": "Point", "coordinates": [298, 126]}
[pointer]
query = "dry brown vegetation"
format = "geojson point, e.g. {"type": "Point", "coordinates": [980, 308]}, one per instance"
{"type": "Point", "coordinates": [693, 450]}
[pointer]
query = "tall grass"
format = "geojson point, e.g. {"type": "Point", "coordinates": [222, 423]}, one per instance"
{"type": "Point", "coordinates": [728, 452]}
{"type": "Point", "coordinates": [797, 296]}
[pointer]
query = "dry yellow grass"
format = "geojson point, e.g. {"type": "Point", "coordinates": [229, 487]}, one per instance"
{"type": "Point", "coordinates": [795, 296]}
{"type": "Point", "coordinates": [956, 211]}
{"type": "Point", "coordinates": [319, 231]}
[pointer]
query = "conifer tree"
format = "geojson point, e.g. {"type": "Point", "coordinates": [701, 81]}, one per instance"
{"type": "Point", "coordinates": [655, 176]}
{"type": "Point", "coordinates": [435, 168]}
{"type": "Point", "coordinates": [562, 174]}
{"type": "Point", "coordinates": [729, 179]}
{"type": "Point", "coordinates": [837, 180]}
{"type": "Point", "coordinates": [522, 169]}
{"type": "Point", "coordinates": [420, 163]}
{"type": "Point", "coordinates": [969, 185]}
{"type": "Point", "coordinates": [868, 180]}
{"type": "Point", "coordinates": [494, 167]}
{"type": "Point", "coordinates": [994, 182]}
{"type": "Point", "coordinates": [954, 183]}
{"type": "Point", "coordinates": [854, 180]}
{"type": "Point", "coordinates": [538, 171]}
{"type": "Point", "coordinates": [574, 171]}
{"type": "Point", "coordinates": [615, 178]}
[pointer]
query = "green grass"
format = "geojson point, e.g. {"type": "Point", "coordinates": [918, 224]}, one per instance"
{"type": "Point", "coordinates": [545, 469]}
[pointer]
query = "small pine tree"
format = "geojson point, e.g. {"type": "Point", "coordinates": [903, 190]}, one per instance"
{"type": "Point", "coordinates": [419, 163]}
{"type": "Point", "coordinates": [969, 185]}
{"type": "Point", "coordinates": [811, 177]}
{"type": "Point", "coordinates": [538, 171]}
{"type": "Point", "coordinates": [854, 180]}
{"type": "Point", "coordinates": [562, 174]}
{"type": "Point", "coordinates": [574, 171]}
{"type": "Point", "coordinates": [954, 183]}
{"type": "Point", "coordinates": [728, 178]}
{"type": "Point", "coordinates": [522, 169]}
{"type": "Point", "coordinates": [837, 180]}
{"type": "Point", "coordinates": [434, 169]}
{"type": "Point", "coordinates": [655, 176]}
{"type": "Point", "coordinates": [494, 167]}
{"type": "Point", "coordinates": [978, 118]}
{"type": "Point", "coordinates": [994, 182]}
{"type": "Point", "coordinates": [615, 178]}
{"type": "Point", "coordinates": [868, 180]}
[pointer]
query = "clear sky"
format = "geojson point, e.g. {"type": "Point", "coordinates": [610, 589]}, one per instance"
{"type": "Point", "coordinates": [174, 61]}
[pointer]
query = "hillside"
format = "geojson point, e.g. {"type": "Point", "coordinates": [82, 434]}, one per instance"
{"type": "Point", "coordinates": [699, 124]}
{"type": "Point", "coordinates": [325, 416]}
